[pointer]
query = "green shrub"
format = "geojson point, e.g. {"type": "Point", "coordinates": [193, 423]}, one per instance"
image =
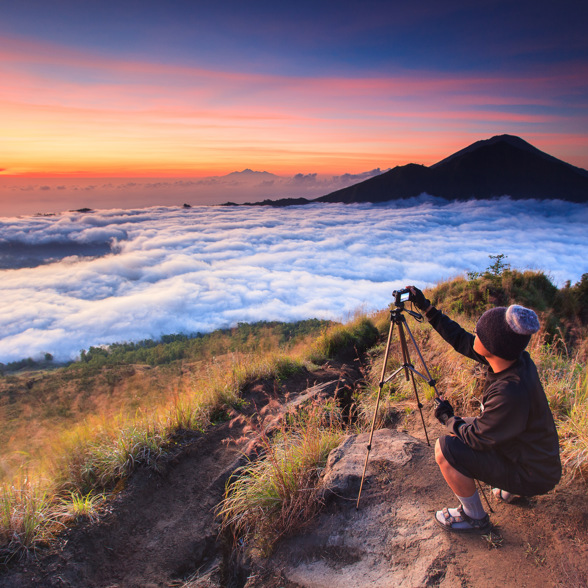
{"type": "Point", "coordinates": [358, 335]}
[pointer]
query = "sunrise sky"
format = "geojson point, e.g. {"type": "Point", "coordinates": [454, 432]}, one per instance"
{"type": "Point", "coordinates": [133, 108]}
{"type": "Point", "coordinates": [173, 88]}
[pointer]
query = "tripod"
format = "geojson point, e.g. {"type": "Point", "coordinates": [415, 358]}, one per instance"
{"type": "Point", "coordinates": [397, 318]}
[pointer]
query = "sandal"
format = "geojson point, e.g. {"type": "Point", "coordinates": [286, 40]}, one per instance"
{"type": "Point", "coordinates": [461, 522]}
{"type": "Point", "coordinates": [503, 495]}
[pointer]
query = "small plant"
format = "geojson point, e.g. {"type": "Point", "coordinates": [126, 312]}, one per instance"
{"type": "Point", "coordinates": [533, 554]}
{"type": "Point", "coordinates": [498, 267]}
{"type": "Point", "coordinates": [493, 540]}
{"type": "Point", "coordinates": [79, 506]}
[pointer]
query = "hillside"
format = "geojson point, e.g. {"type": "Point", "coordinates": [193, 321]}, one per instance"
{"type": "Point", "coordinates": [167, 518]}
{"type": "Point", "coordinates": [504, 165]}
{"type": "Point", "coordinates": [161, 529]}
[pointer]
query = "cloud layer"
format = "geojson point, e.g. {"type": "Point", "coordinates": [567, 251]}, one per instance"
{"type": "Point", "coordinates": [193, 270]}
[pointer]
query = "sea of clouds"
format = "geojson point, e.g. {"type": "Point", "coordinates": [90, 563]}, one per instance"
{"type": "Point", "coordinates": [125, 275]}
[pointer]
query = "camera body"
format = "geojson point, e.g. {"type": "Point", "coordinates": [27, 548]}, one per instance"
{"type": "Point", "coordinates": [401, 296]}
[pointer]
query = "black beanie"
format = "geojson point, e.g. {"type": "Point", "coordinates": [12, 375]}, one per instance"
{"type": "Point", "coordinates": [505, 332]}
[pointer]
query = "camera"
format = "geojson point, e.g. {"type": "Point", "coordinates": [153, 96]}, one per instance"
{"type": "Point", "coordinates": [401, 296]}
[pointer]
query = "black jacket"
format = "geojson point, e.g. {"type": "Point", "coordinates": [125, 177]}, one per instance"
{"type": "Point", "coordinates": [516, 420]}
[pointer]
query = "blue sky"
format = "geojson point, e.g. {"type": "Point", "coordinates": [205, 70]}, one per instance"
{"type": "Point", "coordinates": [315, 36]}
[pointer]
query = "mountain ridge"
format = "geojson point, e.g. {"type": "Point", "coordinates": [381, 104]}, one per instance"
{"type": "Point", "coordinates": [504, 165]}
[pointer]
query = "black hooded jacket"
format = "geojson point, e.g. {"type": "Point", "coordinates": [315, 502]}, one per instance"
{"type": "Point", "coordinates": [516, 420]}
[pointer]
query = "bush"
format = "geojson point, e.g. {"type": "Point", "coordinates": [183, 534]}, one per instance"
{"type": "Point", "coordinates": [357, 336]}
{"type": "Point", "coordinates": [562, 311]}
{"type": "Point", "coordinates": [474, 296]}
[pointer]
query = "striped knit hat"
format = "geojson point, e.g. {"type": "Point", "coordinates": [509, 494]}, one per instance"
{"type": "Point", "coordinates": [505, 332]}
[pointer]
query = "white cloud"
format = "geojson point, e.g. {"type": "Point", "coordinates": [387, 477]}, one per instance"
{"type": "Point", "coordinates": [188, 270]}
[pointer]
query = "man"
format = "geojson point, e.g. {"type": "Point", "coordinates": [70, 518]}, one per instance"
{"type": "Point", "coordinates": [513, 444]}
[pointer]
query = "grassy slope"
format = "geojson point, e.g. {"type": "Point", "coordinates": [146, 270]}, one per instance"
{"type": "Point", "coordinates": [259, 502]}
{"type": "Point", "coordinates": [95, 421]}
{"type": "Point", "coordinates": [90, 450]}
{"type": "Point", "coordinates": [36, 406]}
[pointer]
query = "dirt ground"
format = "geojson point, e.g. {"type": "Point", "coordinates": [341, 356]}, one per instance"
{"type": "Point", "coordinates": [393, 541]}
{"type": "Point", "coordinates": [161, 530]}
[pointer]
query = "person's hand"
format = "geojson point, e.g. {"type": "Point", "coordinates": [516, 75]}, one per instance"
{"type": "Point", "coordinates": [443, 411]}
{"type": "Point", "coordinates": [418, 298]}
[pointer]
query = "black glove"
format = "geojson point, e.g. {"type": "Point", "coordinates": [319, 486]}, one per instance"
{"type": "Point", "coordinates": [443, 411]}
{"type": "Point", "coordinates": [418, 298]}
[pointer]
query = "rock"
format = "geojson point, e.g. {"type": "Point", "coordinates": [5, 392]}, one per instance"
{"type": "Point", "coordinates": [345, 465]}
{"type": "Point", "coordinates": [391, 540]}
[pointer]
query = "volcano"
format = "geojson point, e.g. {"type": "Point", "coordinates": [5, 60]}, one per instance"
{"type": "Point", "coordinates": [504, 165]}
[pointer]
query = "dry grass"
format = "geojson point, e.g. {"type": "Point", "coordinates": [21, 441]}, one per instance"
{"type": "Point", "coordinates": [36, 410]}
{"type": "Point", "coordinates": [574, 432]}
{"type": "Point", "coordinates": [92, 455]}
{"type": "Point", "coordinates": [277, 494]}
{"type": "Point", "coordinates": [27, 517]}
{"type": "Point", "coordinates": [360, 333]}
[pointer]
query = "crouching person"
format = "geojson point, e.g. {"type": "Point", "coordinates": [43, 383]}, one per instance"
{"type": "Point", "coordinates": [513, 444]}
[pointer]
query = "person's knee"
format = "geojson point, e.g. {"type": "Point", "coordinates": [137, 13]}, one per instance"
{"type": "Point", "coordinates": [439, 457]}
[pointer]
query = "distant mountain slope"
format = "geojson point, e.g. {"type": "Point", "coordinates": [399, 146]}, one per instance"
{"type": "Point", "coordinates": [249, 174]}
{"type": "Point", "coordinates": [503, 165]}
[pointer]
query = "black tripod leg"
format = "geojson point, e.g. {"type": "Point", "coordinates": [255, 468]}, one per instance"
{"type": "Point", "coordinates": [431, 382]}
{"type": "Point", "coordinates": [380, 386]}
{"type": "Point", "coordinates": [420, 408]}
{"type": "Point", "coordinates": [406, 356]}
{"type": "Point", "coordinates": [404, 349]}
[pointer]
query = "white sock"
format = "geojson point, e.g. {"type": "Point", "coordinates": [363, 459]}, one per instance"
{"type": "Point", "coordinates": [472, 506]}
